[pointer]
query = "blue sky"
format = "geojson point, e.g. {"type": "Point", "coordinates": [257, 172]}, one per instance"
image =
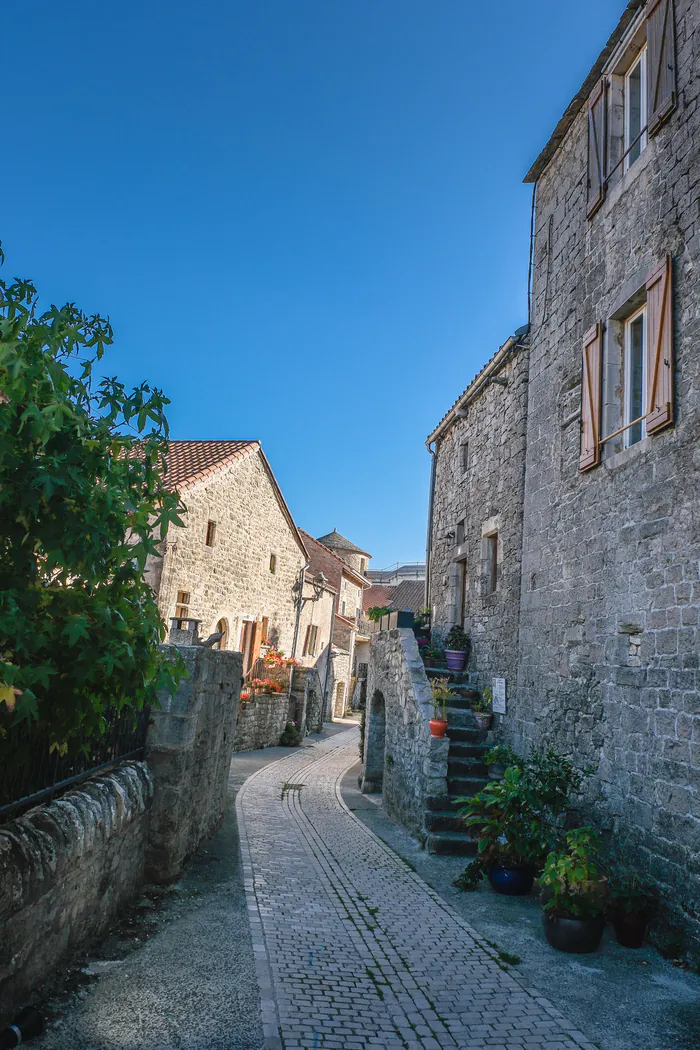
{"type": "Point", "coordinates": [305, 218]}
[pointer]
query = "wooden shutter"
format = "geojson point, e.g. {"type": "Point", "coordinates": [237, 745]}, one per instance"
{"type": "Point", "coordinates": [661, 63]}
{"type": "Point", "coordinates": [597, 146]}
{"type": "Point", "coordinates": [257, 639]}
{"type": "Point", "coordinates": [660, 347]}
{"type": "Point", "coordinates": [306, 649]}
{"type": "Point", "coordinates": [591, 387]}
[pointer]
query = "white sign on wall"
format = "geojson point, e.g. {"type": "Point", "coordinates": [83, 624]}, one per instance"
{"type": "Point", "coordinates": [498, 704]}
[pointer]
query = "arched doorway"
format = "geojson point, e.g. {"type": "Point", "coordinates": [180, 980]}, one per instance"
{"type": "Point", "coordinates": [221, 628]}
{"type": "Point", "coordinates": [375, 745]}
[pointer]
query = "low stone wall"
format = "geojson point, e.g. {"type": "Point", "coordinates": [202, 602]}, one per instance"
{"type": "Point", "coordinates": [189, 752]}
{"type": "Point", "coordinates": [65, 870]}
{"type": "Point", "coordinates": [402, 759]}
{"type": "Point", "coordinates": [261, 721]}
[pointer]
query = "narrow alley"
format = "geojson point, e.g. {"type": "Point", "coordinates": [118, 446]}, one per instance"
{"type": "Point", "coordinates": [353, 950]}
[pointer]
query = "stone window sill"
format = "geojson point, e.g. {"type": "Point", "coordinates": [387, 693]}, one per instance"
{"type": "Point", "coordinates": [627, 455]}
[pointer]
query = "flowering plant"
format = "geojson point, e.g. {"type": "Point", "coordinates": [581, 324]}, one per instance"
{"type": "Point", "coordinates": [265, 685]}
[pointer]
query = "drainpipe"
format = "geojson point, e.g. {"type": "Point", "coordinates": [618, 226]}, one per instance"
{"type": "Point", "coordinates": [300, 606]}
{"type": "Point", "coordinates": [329, 657]}
{"type": "Point", "coordinates": [429, 536]}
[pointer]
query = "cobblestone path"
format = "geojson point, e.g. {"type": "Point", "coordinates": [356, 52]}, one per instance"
{"type": "Point", "coordinates": [353, 950]}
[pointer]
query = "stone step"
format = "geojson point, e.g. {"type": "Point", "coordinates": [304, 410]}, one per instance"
{"type": "Point", "coordinates": [443, 820]}
{"type": "Point", "coordinates": [460, 716]}
{"type": "Point", "coordinates": [456, 678]}
{"type": "Point", "coordinates": [466, 767]}
{"type": "Point", "coordinates": [465, 786]}
{"type": "Point", "coordinates": [466, 735]}
{"type": "Point", "coordinates": [461, 703]}
{"type": "Point", "coordinates": [460, 750]}
{"type": "Point", "coordinates": [452, 843]}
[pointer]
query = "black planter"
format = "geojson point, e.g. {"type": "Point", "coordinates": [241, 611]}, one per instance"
{"type": "Point", "coordinates": [577, 936]}
{"type": "Point", "coordinates": [629, 929]}
{"type": "Point", "coordinates": [513, 882]}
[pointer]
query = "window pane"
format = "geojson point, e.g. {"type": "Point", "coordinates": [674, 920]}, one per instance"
{"type": "Point", "coordinates": [635, 378]}
{"type": "Point", "coordinates": [634, 110]}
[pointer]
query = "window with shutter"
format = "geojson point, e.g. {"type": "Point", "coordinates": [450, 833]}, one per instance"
{"type": "Point", "coordinates": [591, 385]}
{"type": "Point", "coordinates": [661, 73]}
{"type": "Point", "coordinates": [660, 348]}
{"type": "Point", "coordinates": [597, 146]}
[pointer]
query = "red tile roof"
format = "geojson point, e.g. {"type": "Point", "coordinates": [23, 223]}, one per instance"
{"type": "Point", "coordinates": [190, 461]}
{"type": "Point", "coordinates": [377, 597]}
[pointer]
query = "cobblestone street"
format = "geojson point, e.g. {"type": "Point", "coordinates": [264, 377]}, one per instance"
{"type": "Point", "coordinates": [353, 950]}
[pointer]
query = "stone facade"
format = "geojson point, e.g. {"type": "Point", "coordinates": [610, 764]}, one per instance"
{"type": "Point", "coordinates": [478, 501]}
{"type": "Point", "coordinates": [190, 743]}
{"type": "Point", "coordinates": [232, 581]}
{"type": "Point", "coordinates": [607, 655]}
{"type": "Point", "coordinates": [402, 759]}
{"type": "Point", "coordinates": [66, 868]}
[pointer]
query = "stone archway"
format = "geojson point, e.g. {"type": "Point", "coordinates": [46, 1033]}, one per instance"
{"type": "Point", "coordinates": [375, 745]}
{"type": "Point", "coordinates": [221, 628]}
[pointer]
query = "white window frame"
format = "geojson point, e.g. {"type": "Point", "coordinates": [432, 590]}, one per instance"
{"type": "Point", "coordinates": [642, 311]}
{"type": "Point", "coordinates": [641, 61]}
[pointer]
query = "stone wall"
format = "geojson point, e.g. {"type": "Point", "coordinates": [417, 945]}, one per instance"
{"type": "Point", "coordinates": [190, 743]}
{"type": "Point", "coordinates": [232, 581]}
{"type": "Point", "coordinates": [261, 721]}
{"type": "Point", "coordinates": [402, 759]}
{"type": "Point", "coordinates": [479, 481]}
{"type": "Point", "coordinates": [66, 868]}
{"type": "Point", "coordinates": [611, 562]}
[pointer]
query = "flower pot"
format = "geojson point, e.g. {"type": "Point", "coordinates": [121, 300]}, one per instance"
{"type": "Point", "coordinates": [429, 661]}
{"type": "Point", "coordinates": [513, 882]}
{"type": "Point", "coordinates": [456, 659]}
{"type": "Point", "coordinates": [437, 727]}
{"type": "Point", "coordinates": [577, 936]}
{"type": "Point", "coordinates": [483, 720]}
{"type": "Point", "coordinates": [629, 929]}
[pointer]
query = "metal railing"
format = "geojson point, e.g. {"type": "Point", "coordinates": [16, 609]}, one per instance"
{"type": "Point", "coordinates": [30, 772]}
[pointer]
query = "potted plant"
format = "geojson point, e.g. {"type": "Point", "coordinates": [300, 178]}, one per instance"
{"type": "Point", "coordinates": [481, 709]}
{"type": "Point", "coordinates": [499, 758]}
{"type": "Point", "coordinates": [575, 894]}
{"type": "Point", "coordinates": [457, 646]}
{"type": "Point", "coordinates": [632, 902]}
{"type": "Point", "coordinates": [441, 695]}
{"type": "Point", "coordinates": [433, 655]}
{"type": "Point", "coordinates": [515, 820]}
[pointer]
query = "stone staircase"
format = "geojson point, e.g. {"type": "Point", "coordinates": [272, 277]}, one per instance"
{"type": "Point", "coordinates": [467, 772]}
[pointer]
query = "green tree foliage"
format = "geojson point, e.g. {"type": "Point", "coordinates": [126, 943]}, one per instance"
{"type": "Point", "coordinates": [82, 505]}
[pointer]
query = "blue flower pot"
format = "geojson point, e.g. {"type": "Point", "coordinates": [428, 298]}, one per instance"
{"type": "Point", "coordinates": [513, 882]}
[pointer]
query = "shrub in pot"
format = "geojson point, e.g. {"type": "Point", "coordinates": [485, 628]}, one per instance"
{"type": "Point", "coordinates": [515, 820]}
{"type": "Point", "coordinates": [442, 694]}
{"type": "Point", "coordinates": [499, 758]}
{"type": "Point", "coordinates": [574, 893]}
{"type": "Point", "coordinates": [481, 709]}
{"type": "Point", "coordinates": [457, 647]}
{"type": "Point", "coordinates": [632, 902]}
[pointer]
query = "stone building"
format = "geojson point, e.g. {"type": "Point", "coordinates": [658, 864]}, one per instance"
{"type": "Point", "coordinates": [237, 564]}
{"type": "Point", "coordinates": [567, 539]}
{"type": "Point", "coordinates": [344, 566]}
{"type": "Point", "coordinates": [477, 509]}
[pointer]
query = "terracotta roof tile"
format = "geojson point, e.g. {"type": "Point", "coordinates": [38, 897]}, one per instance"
{"type": "Point", "coordinates": [190, 461]}
{"type": "Point", "coordinates": [377, 597]}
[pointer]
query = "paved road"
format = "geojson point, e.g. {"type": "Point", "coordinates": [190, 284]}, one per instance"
{"type": "Point", "coordinates": [353, 950]}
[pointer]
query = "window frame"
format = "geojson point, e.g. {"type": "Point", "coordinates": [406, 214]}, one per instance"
{"type": "Point", "coordinates": [210, 538]}
{"type": "Point", "coordinates": [273, 563]}
{"type": "Point", "coordinates": [182, 605]}
{"type": "Point", "coordinates": [627, 138]}
{"type": "Point", "coordinates": [492, 563]}
{"type": "Point", "coordinates": [627, 419]}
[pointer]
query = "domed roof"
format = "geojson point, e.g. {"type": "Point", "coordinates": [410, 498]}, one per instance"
{"type": "Point", "coordinates": [334, 541]}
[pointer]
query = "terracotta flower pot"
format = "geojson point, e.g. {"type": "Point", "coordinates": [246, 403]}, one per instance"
{"type": "Point", "coordinates": [483, 719]}
{"type": "Point", "coordinates": [437, 727]}
{"type": "Point", "coordinates": [577, 936]}
{"type": "Point", "coordinates": [629, 929]}
{"type": "Point", "coordinates": [456, 659]}
{"type": "Point", "coordinates": [429, 661]}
